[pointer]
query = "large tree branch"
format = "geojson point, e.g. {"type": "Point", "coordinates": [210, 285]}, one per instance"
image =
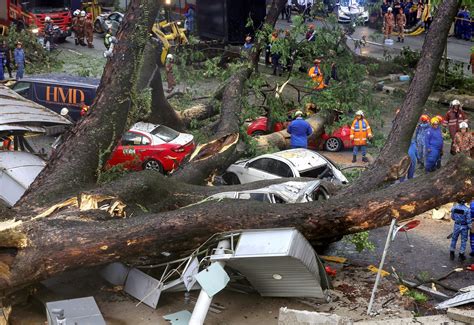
{"type": "Point", "coordinates": [70, 240]}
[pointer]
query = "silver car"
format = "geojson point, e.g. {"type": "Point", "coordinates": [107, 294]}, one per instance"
{"type": "Point", "coordinates": [288, 192]}
{"type": "Point", "coordinates": [287, 163]}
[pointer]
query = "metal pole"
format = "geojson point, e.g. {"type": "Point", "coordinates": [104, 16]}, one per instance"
{"type": "Point", "coordinates": [382, 261]}
{"type": "Point", "coordinates": [204, 301]}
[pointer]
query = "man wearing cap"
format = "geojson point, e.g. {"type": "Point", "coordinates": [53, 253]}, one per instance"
{"type": "Point", "coordinates": [360, 132]}
{"type": "Point", "coordinates": [19, 56]}
{"type": "Point", "coordinates": [317, 76]}
{"type": "Point", "coordinates": [388, 22]}
{"type": "Point", "coordinates": [299, 130]}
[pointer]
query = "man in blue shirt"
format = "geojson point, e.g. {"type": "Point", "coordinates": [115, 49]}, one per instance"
{"type": "Point", "coordinates": [461, 215]}
{"type": "Point", "coordinates": [300, 130]}
{"type": "Point", "coordinates": [19, 56]}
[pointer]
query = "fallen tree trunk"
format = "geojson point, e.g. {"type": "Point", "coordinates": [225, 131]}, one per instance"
{"type": "Point", "coordinates": [40, 248]}
{"type": "Point", "coordinates": [281, 139]}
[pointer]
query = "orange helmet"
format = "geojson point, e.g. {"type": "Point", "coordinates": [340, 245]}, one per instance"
{"type": "Point", "coordinates": [440, 118]}
{"type": "Point", "coordinates": [424, 118]}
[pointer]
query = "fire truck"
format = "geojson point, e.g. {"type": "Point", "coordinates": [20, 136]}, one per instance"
{"type": "Point", "coordinates": [31, 14]}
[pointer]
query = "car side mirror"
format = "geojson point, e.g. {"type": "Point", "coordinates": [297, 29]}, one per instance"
{"type": "Point", "coordinates": [246, 165]}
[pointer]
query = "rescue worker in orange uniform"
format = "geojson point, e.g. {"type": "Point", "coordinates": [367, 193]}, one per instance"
{"type": "Point", "coordinates": [360, 132]}
{"type": "Point", "coordinates": [453, 118]}
{"type": "Point", "coordinates": [80, 28]}
{"type": "Point", "coordinates": [389, 23]}
{"type": "Point", "coordinates": [89, 30]}
{"type": "Point", "coordinates": [317, 75]}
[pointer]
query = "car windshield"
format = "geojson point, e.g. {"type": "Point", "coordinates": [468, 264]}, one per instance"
{"type": "Point", "coordinates": [44, 6]}
{"type": "Point", "coordinates": [347, 3]}
{"type": "Point", "coordinates": [165, 133]}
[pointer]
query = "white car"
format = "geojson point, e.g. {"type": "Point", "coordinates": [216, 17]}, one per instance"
{"type": "Point", "coordinates": [288, 192]}
{"type": "Point", "coordinates": [287, 163]}
{"type": "Point", "coordinates": [350, 11]}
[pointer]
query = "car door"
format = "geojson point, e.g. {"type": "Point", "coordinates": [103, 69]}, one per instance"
{"type": "Point", "coordinates": [261, 169]}
{"type": "Point", "coordinates": [131, 150]}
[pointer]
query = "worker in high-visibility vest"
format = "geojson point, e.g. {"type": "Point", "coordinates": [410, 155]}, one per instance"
{"type": "Point", "coordinates": [316, 74]}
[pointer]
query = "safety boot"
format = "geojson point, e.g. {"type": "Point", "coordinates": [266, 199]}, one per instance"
{"type": "Point", "coordinates": [398, 40]}
{"type": "Point", "coordinates": [403, 40]}
{"type": "Point", "coordinates": [451, 255]}
{"type": "Point", "coordinates": [462, 257]}
{"type": "Point", "coordinates": [364, 159]}
{"type": "Point", "coordinates": [354, 158]}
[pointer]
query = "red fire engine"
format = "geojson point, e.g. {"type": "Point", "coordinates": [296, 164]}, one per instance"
{"type": "Point", "coordinates": [29, 13]}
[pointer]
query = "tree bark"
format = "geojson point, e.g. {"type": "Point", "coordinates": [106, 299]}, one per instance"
{"type": "Point", "coordinates": [71, 239]}
{"type": "Point", "coordinates": [161, 110]}
{"type": "Point", "coordinates": [396, 146]}
{"type": "Point", "coordinates": [87, 147]}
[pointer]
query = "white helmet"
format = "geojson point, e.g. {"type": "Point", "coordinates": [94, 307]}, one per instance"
{"type": "Point", "coordinates": [389, 9]}
{"type": "Point", "coordinates": [359, 112]}
{"type": "Point", "coordinates": [463, 125]}
{"type": "Point", "coordinates": [298, 113]}
{"type": "Point", "coordinates": [455, 103]}
{"type": "Point", "coordinates": [169, 56]}
{"type": "Point", "coordinates": [83, 13]}
{"type": "Point", "coordinates": [76, 12]}
{"type": "Point", "coordinates": [47, 19]}
{"type": "Point", "coordinates": [64, 111]}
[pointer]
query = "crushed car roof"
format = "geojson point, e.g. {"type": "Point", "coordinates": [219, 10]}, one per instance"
{"type": "Point", "coordinates": [292, 192]}
{"type": "Point", "coordinates": [302, 159]}
{"type": "Point", "coordinates": [16, 109]}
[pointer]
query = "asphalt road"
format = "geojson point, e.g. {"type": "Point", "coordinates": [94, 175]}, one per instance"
{"type": "Point", "coordinates": [458, 50]}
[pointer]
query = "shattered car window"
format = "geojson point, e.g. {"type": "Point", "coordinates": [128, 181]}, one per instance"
{"type": "Point", "coordinates": [262, 197]}
{"type": "Point", "coordinates": [321, 171]}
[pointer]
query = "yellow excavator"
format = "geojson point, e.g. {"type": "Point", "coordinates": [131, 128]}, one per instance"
{"type": "Point", "coordinates": [170, 34]}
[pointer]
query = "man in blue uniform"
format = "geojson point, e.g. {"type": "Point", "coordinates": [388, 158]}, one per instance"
{"type": "Point", "coordinates": [461, 215]}
{"type": "Point", "coordinates": [300, 130]}
{"type": "Point", "coordinates": [472, 233]}
{"type": "Point", "coordinates": [434, 146]}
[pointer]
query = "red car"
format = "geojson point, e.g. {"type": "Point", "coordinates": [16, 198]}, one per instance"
{"type": "Point", "coordinates": [335, 141]}
{"type": "Point", "coordinates": [150, 146]}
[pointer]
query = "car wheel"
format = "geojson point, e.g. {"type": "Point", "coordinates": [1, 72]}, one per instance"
{"type": "Point", "coordinates": [333, 144]}
{"type": "Point", "coordinates": [257, 133]}
{"type": "Point", "coordinates": [98, 27]}
{"type": "Point", "coordinates": [61, 39]}
{"type": "Point", "coordinates": [153, 165]}
{"type": "Point", "coordinates": [231, 179]}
